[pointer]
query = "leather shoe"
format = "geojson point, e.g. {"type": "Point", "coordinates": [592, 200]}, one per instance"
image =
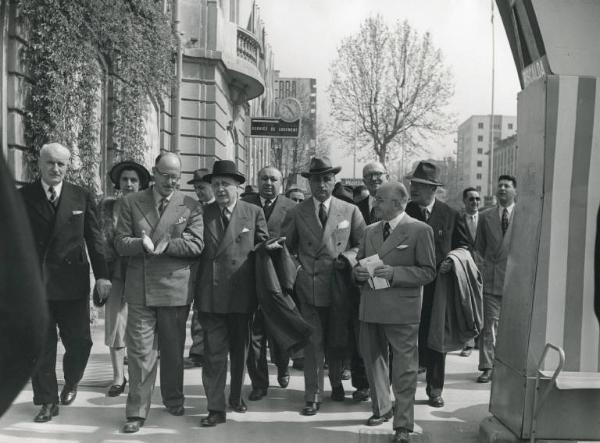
{"type": "Point", "coordinates": [466, 351]}
{"type": "Point", "coordinates": [283, 378]}
{"type": "Point", "coordinates": [401, 436]}
{"type": "Point", "coordinates": [177, 411]}
{"type": "Point", "coordinates": [213, 419]}
{"type": "Point", "coordinates": [133, 425]}
{"type": "Point", "coordinates": [376, 420]}
{"type": "Point", "coordinates": [46, 413]}
{"type": "Point", "coordinates": [485, 376]}
{"type": "Point", "coordinates": [116, 390]}
{"type": "Point", "coordinates": [238, 407]}
{"type": "Point", "coordinates": [298, 363]}
{"type": "Point", "coordinates": [346, 374]}
{"type": "Point", "coordinates": [436, 402]}
{"type": "Point", "coordinates": [311, 408]}
{"type": "Point", "coordinates": [337, 393]}
{"type": "Point", "coordinates": [257, 394]}
{"type": "Point", "coordinates": [361, 394]}
{"type": "Point", "coordinates": [68, 394]}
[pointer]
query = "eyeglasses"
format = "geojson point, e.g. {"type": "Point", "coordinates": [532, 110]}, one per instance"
{"type": "Point", "coordinates": [166, 176]}
{"type": "Point", "coordinates": [373, 175]}
{"type": "Point", "coordinates": [472, 199]}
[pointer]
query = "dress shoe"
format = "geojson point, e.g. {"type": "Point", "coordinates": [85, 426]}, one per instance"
{"type": "Point", "coordinates": [133, 425]}
{"type": "Point", "coordinates": [466, 351]}
{"type": "Point", "coordinates": [298, 363]}
{"type": "Point", "coordinates": [436, 402]}
{"type": "Point", "coordinates": [257, 394]}
{"type": "Point", "coordinates": [361, 394]}
{"type": "Point", "coordinates": [213, 419]}
{"type": "Point", "coordinates": [421, 369]}
{"type": "Point", "coordinates": [193, 362]}
{"type": "Point", "coordinates": [177, 411]}
{"type": "Point", "coordinates": [337, 393]}
{"type": "Point", "coordinates": [485, 376]}
{"type": "Point", "coordinates": [311, 408]}
{"type": "Point", "coordinates": [283, 378]}
{"type": "Point", "coordinates": [346, 374]}
{"type": "Point", "coordinates": [68, 394]}
{"type": "Point", "coordinates": [116, 390]}
{"type": "Point", "coordinates": [238, 407]}
{"type": "Point", "coordinates": [401, 435]}
{"type": "Point", "coordinates": [376, 420]}
{"type": "Point", "coordinates": [48, 411]}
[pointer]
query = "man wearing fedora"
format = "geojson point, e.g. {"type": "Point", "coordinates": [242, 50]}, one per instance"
{"type": "Point", "coordinates": [225, 290]}
{"type": "Point", "coordinates": [320, 229]}
{"type": "Point", "coordinates": [205, 196]}
{"type": "Point", "coordinates": [448, 234]}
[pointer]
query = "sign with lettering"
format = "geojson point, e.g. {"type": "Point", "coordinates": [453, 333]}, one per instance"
{"type": "Point", "coordinates": [275, 128]}
{"type": "Point", "coordinates": [534, 71]}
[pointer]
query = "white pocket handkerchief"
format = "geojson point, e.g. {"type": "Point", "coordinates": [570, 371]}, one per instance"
{"type": "Point", "coordinates": [181, 220]}
{"type": "Point", "coordinates": [401, 247]}
{"type": "Point", "coordinates": [245, 230]}
{"type": "Point", "coordinates": [77, 212]}
{"type": "Point", "coordinates": [343, 224]}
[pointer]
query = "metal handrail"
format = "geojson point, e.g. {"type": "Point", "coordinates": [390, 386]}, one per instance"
{"type": "Point", "coordinates": [537, 403]}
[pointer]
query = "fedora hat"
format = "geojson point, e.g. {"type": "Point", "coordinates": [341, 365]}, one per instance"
{"type": "Point", "coordinates": [320, 166]}
{"type": "Point", "coordinates": [426, 172]}
{"type": "Point", "coordinates": [198, 176]}
{"type": "Point", "coordinates": [118, 168]}
{"type": "Point", "coordinates": [226, 168]}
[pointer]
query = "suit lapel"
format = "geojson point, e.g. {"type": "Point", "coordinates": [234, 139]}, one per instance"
{"type": "Point", "coordinates": [239, 220]}
{"type": "Point", "coordinates": [65, 207]}
{"type": "Point", "coordinates": [148, 209]}
{"type": "Point", "coordinates": [41, 203]}
{"type": "Point", "coordinates": [212, 221]}
{"type": "Point", "coordinates": [276, 215]}
{"type": "Point", "coordinates": [309, 215]}
{"type": "Point", "coordinates": [495, 226]}
{"type": "Point", "coordinates": [169, 217]}
{"type": "Point", "coordinates": [506, 238]}
{"type": "Point", "coordinates": [334, 217]}
{"type": "Point", "coordinates": [397, 236]}
{"type": "Point", "coordinates": [376, 237]}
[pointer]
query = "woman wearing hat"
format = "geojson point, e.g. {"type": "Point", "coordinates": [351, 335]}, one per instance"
{"type": "Point", "coordinates": [127, 177]}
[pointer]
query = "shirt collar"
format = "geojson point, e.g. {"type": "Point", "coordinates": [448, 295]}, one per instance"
{"type": "Point", "coordinates": [509, 208]}
{"type": "Point", "coordinates": [57, 188]}
{"type": "Point", "coordinates": [326, 203]}
{"type": "Point", "coordinates": [230, 207]}
{"type": "Point", "coordinates": [263, 200]}
{"type": "Point", "coordinates": [429, 207]}
{"type": "Point", "coordinates": [394, 222]}
{"type": "Point", "coordinates": [158, 197]}
{"type": "Point", "coordinates": [371, 202]}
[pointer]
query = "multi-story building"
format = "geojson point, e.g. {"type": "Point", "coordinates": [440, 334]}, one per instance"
{"type": "Point", "coordinates": [473, 147]}
{"type": "Point", "coordinates": [505, 157]}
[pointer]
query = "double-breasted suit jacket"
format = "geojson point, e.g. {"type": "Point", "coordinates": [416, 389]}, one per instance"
{"type": "Point", "coordinates": [225, 282]}
{"type": "Point", "coordinates": [275, 222]}
{"type": "Point", "coordinates": [61, 237]}
{"type": "Point", "coordinates": [166, 279]}
{"type": "Point", "coordinates": [317, 248]}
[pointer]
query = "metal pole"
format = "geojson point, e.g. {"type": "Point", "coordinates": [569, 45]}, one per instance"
{"type": "Point", "coordinates": [354, 155]}
{"type": "Point", "coordinates": [491, 155]}
{"type": "Point", "coordinates": [177, 86]}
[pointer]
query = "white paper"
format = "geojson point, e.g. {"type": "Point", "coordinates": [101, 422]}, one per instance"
{"type": "Point", "coordinates": [370, 263]}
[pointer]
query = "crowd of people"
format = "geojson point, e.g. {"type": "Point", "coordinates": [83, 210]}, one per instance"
{"type": "Point", "coordinates": [338, 278]}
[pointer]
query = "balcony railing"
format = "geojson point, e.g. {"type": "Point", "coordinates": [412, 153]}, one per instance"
{"type": "Point", "coordinates": [248, 47]}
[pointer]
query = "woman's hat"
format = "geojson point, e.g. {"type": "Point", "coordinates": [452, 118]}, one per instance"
{"type": "Point", "coordinates": [117, 169]}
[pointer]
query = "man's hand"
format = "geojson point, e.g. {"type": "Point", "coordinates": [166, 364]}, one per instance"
{"type": "Point", "coordinates": [161, 246]}
{"type": "Point", "coordinates": [274, 243]}
{"type": "Point", "coordinates": [103, 286]}
{"type": "Point", "coordinates": [147, 243]}
{"type": "Point", "coordinates": [446, 266]}
{"type": "Point", "coordinates": [360, 273]}
{"type": "Point", "coordinates": [384, 271]}
{"type": "Point", "coordinates": [340, 264]}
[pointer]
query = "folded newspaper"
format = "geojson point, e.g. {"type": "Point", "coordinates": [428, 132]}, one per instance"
{"type": "Point", "coordinates": [370, 263]}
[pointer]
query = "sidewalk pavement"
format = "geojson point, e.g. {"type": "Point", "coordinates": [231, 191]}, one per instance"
{"type": "Point", "coordinates": [93, 417]}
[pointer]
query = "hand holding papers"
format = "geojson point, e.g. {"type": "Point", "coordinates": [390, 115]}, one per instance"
{"type": "Point", "coordinates": [371, 263]}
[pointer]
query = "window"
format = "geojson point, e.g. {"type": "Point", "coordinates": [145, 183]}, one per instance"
{"type": "Point", "coordinates": [478, 176]}
{"type": "Point", "coordinates": [510, 126]}
{"type": "Point", "coordinates": [478, 188]}
{"type": "Point", "coordinates": [480, 138]}
{"type": "Point", "coordinates": [497, 126]}
{"type": "Point", "coordinates": [479, 163]}
{"type": "Point", "coordinates": [480, 125]}
{"type": "Point", "coordinates": [480, 150]}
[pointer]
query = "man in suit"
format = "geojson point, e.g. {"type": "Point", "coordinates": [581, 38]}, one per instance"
{"type": "Point", "coordinates": [320, 229]}
{"type": "Point", "coordinates": [295, 194]}
{"type": "Point", "coordinates": [374, 175]}
{"type": "Point", "coordinates": [63, 220]}
{"type": "Point", "coordinates": [493, 239]}
{"type": "Point", "coordinates": [205, 196]}
{"type": "Point", "coordinates": [275, 207]}
{"type": "Point", "coordinates": [225, 290]}
{"type": "Point", "coordinates": [470, 219]}
{"type": "Point", "coordinates": [390, 316]}
{"type": "Point", "coordinates": [448, 234]}
{"type": "Point", "coordinates": [160, 232]}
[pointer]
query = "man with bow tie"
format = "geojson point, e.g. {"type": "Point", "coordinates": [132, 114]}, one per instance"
{"type": "Point", "coordinates": [225, 290]}
{"type": "Point", "coordinates": [275, 207]}
{"type": "Point", "coordinates": [318, 231]}
{"type": "Point", "coordinates": [64, 222]}
{"type": "Point", "coordinates": [160, 233]}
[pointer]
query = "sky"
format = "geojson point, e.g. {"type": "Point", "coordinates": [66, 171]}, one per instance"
{"type": "Point", "coordinates": [305, 34]}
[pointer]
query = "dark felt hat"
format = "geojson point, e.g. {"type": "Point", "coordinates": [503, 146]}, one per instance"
{"type": "Point", "coordinates": [198, 176]}
{"type": "Point", "coordinates": [117, 169]}
{"type": "Point", "coordinates": [426, 172]}
{"type": "Point", "coordinates": [225, 168]}
{"type": "Point", "coordinates": [320, 166]}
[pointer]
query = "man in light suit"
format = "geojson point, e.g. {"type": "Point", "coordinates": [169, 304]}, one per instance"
{"type": "Point", "coordinates": [374, 176]}
{"type": "Point", "coordinates": [160, 232]}
{"type": "Point", "coordinates": [390, 316]}
{"type": "Point", "coordinates": [275, 207]}
{"type": "Point", "coordinates": [319, 230]}
{"type": "Point", "coordinates": [493, 239]}
{"type": "Point", "coordinates": [225, 289]}
{"type": "Point", "coordinates": [63, 221]}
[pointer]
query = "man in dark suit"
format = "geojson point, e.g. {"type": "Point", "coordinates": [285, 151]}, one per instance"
{"type": "Point", "coordinates": [390, 316]}
{"type": "Point", "coordinates": [63, 220]}
{"type": "Point", "coordinates": [448, 233]}
{"type": "Point", "coordinates": [374, 175]}
{"type": "Point", "coordinates": [275, 207]}
{"type": "Point", "coordinates": [225, 289]}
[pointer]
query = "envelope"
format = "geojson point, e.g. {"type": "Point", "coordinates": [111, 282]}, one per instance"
{"type": "Point", "coordinates": [343, 224]}
{"type": "Point", "coordinates": [77, 212]}
{"type": "Point", "coordinates": [401, 247]}
{"type": "Point", "coordinates": [245, 230]}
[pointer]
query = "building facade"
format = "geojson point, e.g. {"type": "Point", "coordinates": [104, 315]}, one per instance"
{"type": "Point", "coordinates": [473, 147]}
{"type": "Point", "coordinates": [505, 157]}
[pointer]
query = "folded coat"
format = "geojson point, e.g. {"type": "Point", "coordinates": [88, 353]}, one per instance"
{"type": "Point", "coordinates": [457, 312]}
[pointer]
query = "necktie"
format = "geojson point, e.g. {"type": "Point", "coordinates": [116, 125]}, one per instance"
{"type": "Point", "coordinates": [268, 208]}
{"type": "Point", "coordinates": [322, 215]}
{"type": "Point", "coordinates": [225, 218]}
{"type": "Point", "coordinates": [504, 221]}
{"type": "Point", "coordinates": [162, 205]}
{"type": "Point", "coordinates": [372, 216]}
{"type": "Point", "coordinates": [386, 231]}
{"type": "Point", "coordinates": [425, 214]}
{"type": "Point", "coordinates": [53, 197]}
{"type": "Point", "coordinates": [472, 225]}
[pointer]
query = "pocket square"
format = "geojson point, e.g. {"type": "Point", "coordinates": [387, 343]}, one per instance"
{"type": "Point", "coordinates": [77, 212]}
{"type": "Point", "coordinates": [401, 247]}
{"type": "Point", "coordinates": [245, 230]}
{"type": "Point", "coordinates": [343, 224]}
{"type": "Point", "coordinates": [181, 220]}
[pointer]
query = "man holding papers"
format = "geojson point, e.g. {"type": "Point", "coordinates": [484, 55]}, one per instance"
{"type": "Point", "coordinates": [396, 258]}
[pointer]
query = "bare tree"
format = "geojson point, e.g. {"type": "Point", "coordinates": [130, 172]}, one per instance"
{"type": "Point", "coordinates": [389, 89]}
